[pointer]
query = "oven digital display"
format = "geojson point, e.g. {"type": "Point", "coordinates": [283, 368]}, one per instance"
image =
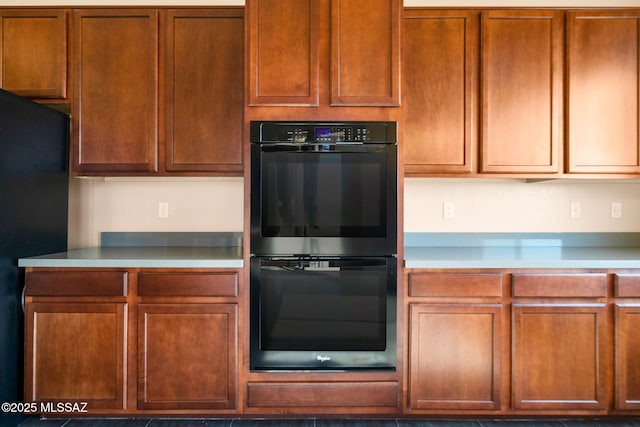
{"type": "Point", "coordinates": [324, 134]}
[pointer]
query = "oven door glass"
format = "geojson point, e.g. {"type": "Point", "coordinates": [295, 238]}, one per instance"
{"type": "Point", "coordinates": [342, 310]}
{"type": "Point", "coordinates": [339, 192]}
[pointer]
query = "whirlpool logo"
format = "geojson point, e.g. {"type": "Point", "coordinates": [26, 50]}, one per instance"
{"type": "Point", "coordinates": [322, 358]}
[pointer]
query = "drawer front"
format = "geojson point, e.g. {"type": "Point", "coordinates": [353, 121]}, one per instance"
{"type": "Point", "coordinates": [344, 394]}
{"type": "Point", "coordinates": [76, 283]}
{"type": "Point", "coordinates": [627, 285]}
{"type": "Point", "coordinates": [188, 284]}
{"type": "Point", "coordinates": [455, 285]}
{"type": "Point", "coordinates": [588, 285]}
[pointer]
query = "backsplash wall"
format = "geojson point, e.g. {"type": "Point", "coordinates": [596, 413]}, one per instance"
{"type": "Point", "coordinates": [480, 205]}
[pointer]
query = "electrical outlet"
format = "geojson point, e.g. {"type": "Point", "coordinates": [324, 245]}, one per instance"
{"type": "Point", "coordinates": [163, 210]}
{"type": "Point", "coordinates": [576, 210]}
{"type": "Point", "coordinates": [448, 210]}
{"type": "Point", "coordinates": [616, 210]}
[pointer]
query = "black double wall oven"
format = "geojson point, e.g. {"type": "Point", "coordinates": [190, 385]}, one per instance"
{"type": "Point", "coordinates": [323, 245]}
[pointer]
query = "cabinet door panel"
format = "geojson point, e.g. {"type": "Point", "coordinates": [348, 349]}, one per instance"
{"type": "Point", "coordinates": [115, 92]}
{"type": "Point", "coordinates": [76, 352]}
{"type": "Point", "coordinates": [187, 356]}
{"type": "Point", "coordinates": [440, 59]}
{"type": "Point", "coordinates": [204, 90]}
{"type": "Point", "coordinates": [627, 357]}
{"type": "Point", "coordinates": [365, 52]}
{"type": "Point", "coordinates": [560, 357]}
{"type": "Point", "coordinates": [522, 74]}
{"type": "Point", "coordinates": [603, 91]}
{"type": "Point", "coordinates": [283, 56]}
{"type": "Point", "coordinates": [455, 356]}
{"type": "Point", "coordinates": [33, 45]}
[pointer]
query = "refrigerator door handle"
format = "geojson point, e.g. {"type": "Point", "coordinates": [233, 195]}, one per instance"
{"type": "Point", "coordinates": [24, 292]}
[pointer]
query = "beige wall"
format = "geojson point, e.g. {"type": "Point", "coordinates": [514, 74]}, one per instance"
{"type": "Point", "coordinates": [480, 205]}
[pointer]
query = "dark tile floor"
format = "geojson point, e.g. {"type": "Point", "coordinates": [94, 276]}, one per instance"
{"type": "Point", "coordinates": [312, 422]}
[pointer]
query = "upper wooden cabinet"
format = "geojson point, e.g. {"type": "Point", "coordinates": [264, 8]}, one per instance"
{"type": "Point", "coordinates": [522, 89]}
{"type": "Point", "coordinates": [158, 105]}
{"type": "Point", "coordinates": [439, 90]}
{"type": "Point", "coordinates": [33, 53]}
{"type": "Point", "coordinates": [288, 41]}
{"type": "Point", "coordinates": [203, 90]}
{"type": "Point", "coordinates": [603, 69]}
{"type": "Point", "coordinates": [115, 112]}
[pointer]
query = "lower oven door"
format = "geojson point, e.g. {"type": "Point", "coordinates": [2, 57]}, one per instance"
{"type": "Point", "coordinates": [323, 313]}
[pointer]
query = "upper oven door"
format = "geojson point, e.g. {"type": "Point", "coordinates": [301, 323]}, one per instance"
{"type": "Point", "coordinates": [323, 199]}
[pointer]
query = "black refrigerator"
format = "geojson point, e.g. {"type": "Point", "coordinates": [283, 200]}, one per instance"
{"type": "Point", "coordinates": [34, 147]}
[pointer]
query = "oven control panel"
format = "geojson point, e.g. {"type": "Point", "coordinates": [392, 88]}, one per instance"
{"type": "Point", "coordinates": [323, 133]}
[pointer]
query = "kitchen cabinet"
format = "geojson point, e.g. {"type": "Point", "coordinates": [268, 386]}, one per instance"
{"type": "Point", "coordinates": [158, 105]}
{"type": "Point", "coordinates": [311, 53]}
{"type": "Point", "coordinates": [439, 90]}
{"type": "Point", "coordinates": [132, 340]}
{"type": "Point", "coordinates": [522, 90]}
{"type": "Point", "coordinates": [75, 340]}
{"type": "Point", "coordinates": [602, 74]}
{"type": "Point", "coordinates": [187, 347]}
{"type": "Point", "coordinates": [561, 341]}
{"type": "Point", "coordinates": [627, 341]}
{"type": "Point", "coordinates": [204, 90]}
{"type": "Point", "coordinates": [115, 108]}
{"type": "Point", "coordinates": [455, 341]}
{"type": "Point", "coordinates": [33, 53]}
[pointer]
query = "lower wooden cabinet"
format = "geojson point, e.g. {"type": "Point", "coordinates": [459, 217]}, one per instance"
{"type": "Point", "coordinates": [186, 356]}
{"type": "Point", "coordinates": [127, 341]}
{"type": "Point", "coordinates": [455, 355]}
{"type": "Point", "coordinates": [76, 352]}
{"type": "Point", "coordinates": [627, 353]}
{"type": "Point", "coordinates": [560, 355]}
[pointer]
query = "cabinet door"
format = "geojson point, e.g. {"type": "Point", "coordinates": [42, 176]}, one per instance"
{"type": "Point", "coordinates": [204, 96]}
{"type": "Point", "coordinates": [187, 356]}
{"type": "Point", "coordinates": [115, 91]}
{"type": "Point", "coordinates": [603, 68]}
{"type": "Point", "coordinates": [283, 42]}
{"type": "Point", "coordinates": [455, 356]}
{"type": "Point", "coordinates": [33, 46]}
{"type": "Point", "coordinates": [440, 73]}
{"type": "Point", "coordinates": [560, 358]}
{"type": "Point", "coordinates": [365, 52]}
{"type": "Point", "coordinates": [522, 78]}
{"type": "Point", "coordinates": [627, 356]}
{"type": "Point", "coordinates": [75, 352]}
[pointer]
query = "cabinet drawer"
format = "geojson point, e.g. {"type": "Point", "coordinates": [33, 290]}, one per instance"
{"type": "Point", "coordinates": [627, 285]}
{"type": "Point", "coordinates": [188, 284]}
{"type": "Point", "coordinates": [344, 394]}
{"type": "Point", "coordinates": [76, 283]}
{"type": "Point", "coordinates": [455, 285]}
{"type": "Point", "coordinates": [591, 285]}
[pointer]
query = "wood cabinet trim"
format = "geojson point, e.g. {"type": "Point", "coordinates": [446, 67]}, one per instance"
{"type": "Point", "coordinates": [76, 283]}
{"type": "Point", "coordinates": [627, 285]}
{"type": "Point", "coordinates": [188, 284]}
{"type": "Point", "coordinates": [323, 395]}
{"type": "Point", "coordinates": [593, 285]}
{"type": "Point", "coordinates": [455, 285]}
